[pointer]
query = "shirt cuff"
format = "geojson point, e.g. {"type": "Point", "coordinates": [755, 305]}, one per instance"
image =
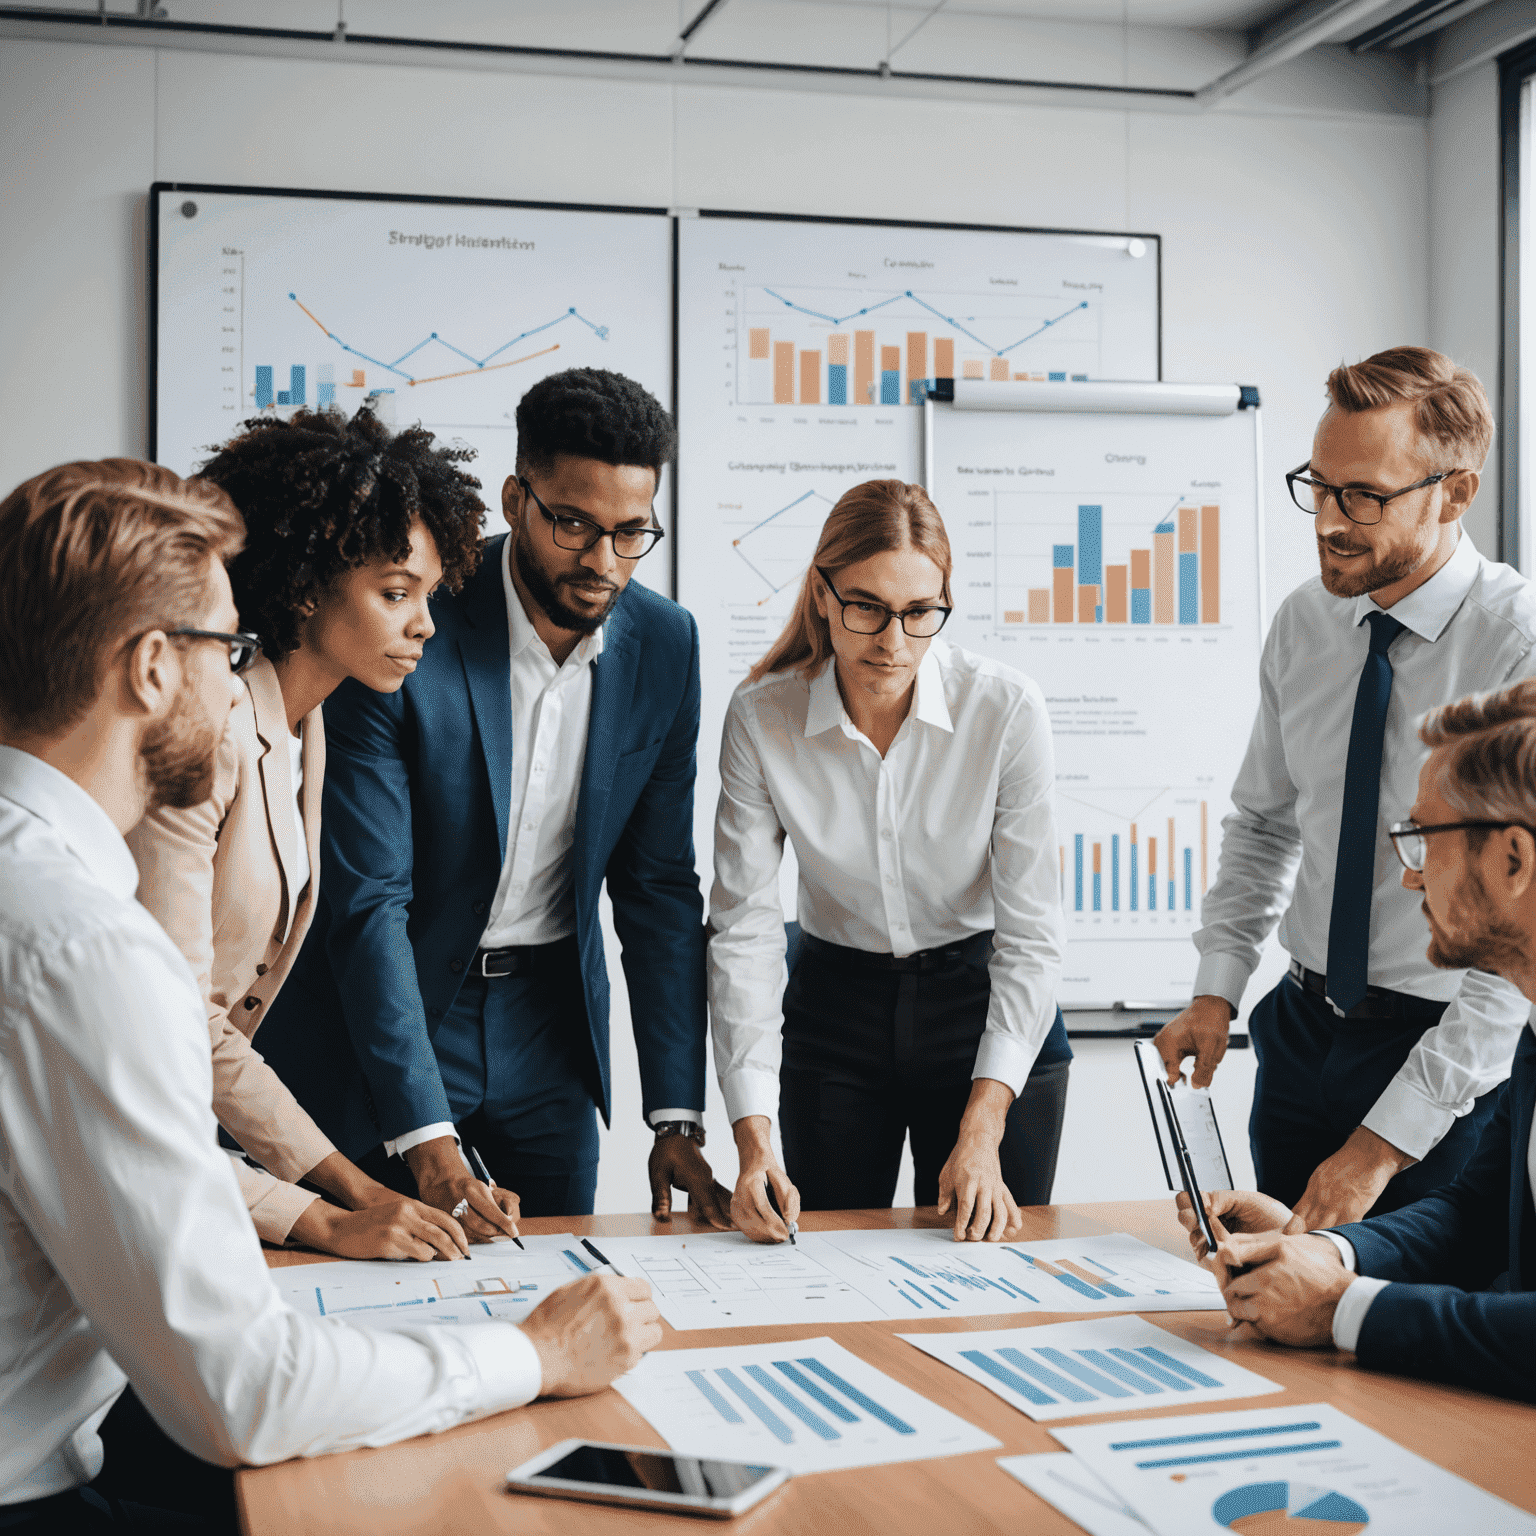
{"type": "Point", "coordinates": [1345, 1247]}
{"type": "Point", "coordinates": [1349, 1315]}
{"type": "Point", "coordinates": [658, 1115]}
{"type": "Point", "coordinates": [1222, 976]}
{"type": "Point", "coordinates": [509, 1366]}
{"type": "Point", "coordinates": [1005, 1059]}
{"type": "Point", "coordinates": [750, 1092]}
{"type": "Point", "coordinates": [1412, 1123]}
{"type": "Point", "coordinates": [403, 1144]}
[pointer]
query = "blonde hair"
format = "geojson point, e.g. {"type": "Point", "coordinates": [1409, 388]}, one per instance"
{"type": "Point", "coordinates": [872, 518]}
{"type": "Point", "coordinates": [1489, 765]}
{"type": "Point", "coordinates": [93, 555]}
{"type": "Point", "coordinates": [1452, 412]}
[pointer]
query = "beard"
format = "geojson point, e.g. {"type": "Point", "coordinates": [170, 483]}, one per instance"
{"type": "Point", "coordinates": [545, 591]}
{"type": "Point", "coordinates": [178, 756]}
{"type": "Point", "coordinates": [1481, 941]}
{"type": "Point", "coordinates": [1388, 568]}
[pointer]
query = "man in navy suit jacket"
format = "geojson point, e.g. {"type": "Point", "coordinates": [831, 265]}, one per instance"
{"type": "Point", "coordinates": [453, 991]}
{"type": "Point", "coordinates": [1444, 1288]}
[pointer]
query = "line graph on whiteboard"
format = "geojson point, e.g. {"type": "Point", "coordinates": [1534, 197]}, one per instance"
{"type": "Point", "coordinates": [777, 548]}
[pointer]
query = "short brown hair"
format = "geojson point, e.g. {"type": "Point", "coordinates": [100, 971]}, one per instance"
{"type": "Point", "coordinates": [1452, 412]}
{"type": "Point", "coordinates": [872, 518]}
{"type": "Point", "coordinates": [1489, 767]}
{"type": "Point", "coordinates": [93, 555]}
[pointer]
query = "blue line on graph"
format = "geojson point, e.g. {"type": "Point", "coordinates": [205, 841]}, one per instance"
{"type": "Point", "coordinates": [600, 331]}
{"type": "Point", "coordinates": [811, 1390]}
{"type": "Point", "coordinates": [926, 1297]}
{"type": "Point", "coordinates": [1265, 1450]}
{"type": "Point", "coordinates": [1063, 1361]}
{"type": "Point", "coordinates": [1156, 1372]}
{"type": "Point", "coordinates": [1059, 1384]}
{"type": "Point", "coordinates": [812, 1421]}
{"type": "Point", "coordinates": [816, 314]}
{"type": "Point", "coordinates": [320, 1301]}
{"type": "Point", "coordinates": [1020, 1289]}
{"type": "Point", "coordinates": [1214, 1434]}
{"type": "Point", "coordinates": [906, 1298]}
{"type": "Point", "coordinates": [771, 1421]}
{"type": "Point", "coordinates": [945, 1294]}
{"type": "Point", "coordinates": [1098, 1264]}
{"type": "Point", "coordinates": [1121, 1373]}
{"type": "Point", "coordinates": [1010, 1379]}
{"type": "Point", "coordinates": [707, 1387]}
{"type": "Point", "coordinates": [586, 1269]}
{"type": "Point", "coordinates": [852, 1393]}
{"type": "Point", "coordinates": [1200, 1379]}
{"type": "Point", "coordinates": [897, 1259]}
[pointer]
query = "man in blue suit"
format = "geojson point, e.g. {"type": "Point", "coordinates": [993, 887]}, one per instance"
{"type": "Point", "coordinates": [452, 996]}
{"type": "Point", "coordinates": [1444, 1288]}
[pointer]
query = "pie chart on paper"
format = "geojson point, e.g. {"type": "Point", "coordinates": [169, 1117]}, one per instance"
{"type": "Point", "coordinates": [1288, 1509]}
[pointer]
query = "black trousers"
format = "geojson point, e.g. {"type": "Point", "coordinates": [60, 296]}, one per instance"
{"type": "Point", "coordinates": [1319, 1075]}
{"type": "Point", "coordinates": [873, 1056]}
{"type": "Point", "coordinates": [147, 1484]}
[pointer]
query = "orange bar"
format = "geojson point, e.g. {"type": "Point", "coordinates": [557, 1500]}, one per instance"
{"type": "Point", "coordinates": [757, 342]}
{"type": "Point", "coordinates": [1039, 605]}
{"type": "Point", "coordinates": [1210, 568]}
{"type": "Point", "coordinates": [1164, 585]}
{"type": "Point", "coordinates": [1141, 569]}
{"type": "Point", "coordinates": [890, 359]}
{"type": "Point", "coordinates": [864, 368]}
{"type": "Point", "coordinates": [1133, 831]}
{"type": "Point", "coordinates": [917, 355]}
{"type": "Point", "coordinates": [1061, 581]}
{"type": "Point", "coordinates": [810, 378]}
{"type": "Point", "coordinates": [1042, 1266]}
{"type": "Point", "coordinates": [1098, 858]}
{"type": "Point", "coordinates": [1151, 855]}
{"type": "Point", "coordinates": [1082, 1274]}
{"type": "Point", "coordinates": [1188, 542]}
{"type": "Point", "coordinates": [1013, 616]}
{"type": "Point", "coordinates": [1202, 847]}
{"type": "Point", "coordinates": [783, 373]}
{"type": "Point", "coordinates": [972, 367]}
{"type": "Point", "coordinates": [1087, 601]}
{"type": "Point", "coordinates": [357, 379]}
{"type": "Point", "coordinates": [943, 357]}
{"type": "Point", "coordinates": [1116, 604]}
{"type": "Point", "coordinates": [837, 350]}
{"type": "Point", "coordinates": [999, 368]}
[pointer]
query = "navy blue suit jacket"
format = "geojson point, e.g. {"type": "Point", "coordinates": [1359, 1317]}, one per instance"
{"type": "Point", "coordinates": [1445, 1323]}
{"type": "Point", "coordinates": [417, 792]}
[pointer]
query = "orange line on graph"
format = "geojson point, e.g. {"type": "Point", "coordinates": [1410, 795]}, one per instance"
{"type": "Point", "coordinates": [318, 322]}
{"type": "Point", "coordinates": [463, 371]}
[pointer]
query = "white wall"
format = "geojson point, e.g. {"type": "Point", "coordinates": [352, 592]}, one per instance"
{"type": "Point", "coordinates": [1291, 243]}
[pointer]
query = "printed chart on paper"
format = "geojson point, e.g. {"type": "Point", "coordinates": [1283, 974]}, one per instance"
{"type": "Point", "coordinates": [439, 313]}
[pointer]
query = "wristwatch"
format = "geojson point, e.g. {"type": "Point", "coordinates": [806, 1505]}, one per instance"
{"type": "Point", "coordinates": [689, 1128]}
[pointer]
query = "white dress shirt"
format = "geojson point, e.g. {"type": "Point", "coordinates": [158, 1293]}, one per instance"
{"type": "Point", "coordinates": [1471, 628]}
{"type": "Point", "coordinates": [1349, 1315]}
{"type": "Point", "coordinates": [952, 833]}
{"type": "Point", "coordinates": [125, 1249]}
{"type": "Point", "coordinates": [300, 843]}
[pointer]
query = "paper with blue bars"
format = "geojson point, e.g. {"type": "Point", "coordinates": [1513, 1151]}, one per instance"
{"type": "Point", "coordinates": [808, 1404]}
{"type": "Point", "coordinates": [1061, 1370]}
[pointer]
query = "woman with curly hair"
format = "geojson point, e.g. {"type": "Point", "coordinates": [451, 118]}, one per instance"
{"type": "Point", "coordinates": [348, 532]}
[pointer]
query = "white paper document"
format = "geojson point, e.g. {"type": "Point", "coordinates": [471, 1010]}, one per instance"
{"type": "Point", "coordinates": [1064, 1370]}
{"type": "Point", "coordinates": [807, 1404]}
{"type": "Point", "coordinates": [727, 1281]}
{"type": "Point", "coordinates": [1065, 1483]}
{"type": "Point", "coordinates": [1302, 1469]}
{"type": "Point", "coordinates": [497, 1280]}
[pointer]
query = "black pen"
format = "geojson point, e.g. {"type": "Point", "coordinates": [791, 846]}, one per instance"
{"type": "Point", "coordinates": [792, 1226]}
{"type": "Point", "coordinates": [598, 1254]}
{"type": "Point", "coordinates": [481, 1172]}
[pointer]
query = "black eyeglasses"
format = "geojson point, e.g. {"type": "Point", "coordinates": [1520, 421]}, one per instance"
{"type": "Point", "coordinates": [862, 618]}
{"type": "Point", "coordinates": [581, 533]}
{"type": "Point", "coordinates": [1408, 837]}
{"type": "Point", "coordinates": [1357, 504]}
{"type": "Point", "coordinates": [243, 649]}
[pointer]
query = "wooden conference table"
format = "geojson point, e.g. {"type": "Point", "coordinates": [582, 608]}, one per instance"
{"type": "Point", "coordinates": [452, 1483]}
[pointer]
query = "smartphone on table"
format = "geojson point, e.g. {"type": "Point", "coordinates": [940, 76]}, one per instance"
{"type": "Point", "coordinates": [646, 1478]}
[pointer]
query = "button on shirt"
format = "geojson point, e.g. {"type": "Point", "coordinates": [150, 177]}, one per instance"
{"type": "Point", "coordinates": [952, 833]}
{"type": "Point", "coordinates": [125, 1247]}
{"type": "Point", "coordinates": [1471, 628]}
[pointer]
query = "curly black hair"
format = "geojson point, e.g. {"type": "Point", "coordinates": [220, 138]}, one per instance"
{"type": "Point", "coordinates": [592, 414]}
{"type": "Point", "coordinates": [322, 495]}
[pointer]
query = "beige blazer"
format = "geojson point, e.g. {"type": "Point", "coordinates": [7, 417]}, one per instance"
{"type": "Point", "coordinates": [218, 879]}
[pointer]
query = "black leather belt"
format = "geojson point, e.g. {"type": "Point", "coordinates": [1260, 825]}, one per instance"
{"type": "Point", "coordinates": [1378, 1002]}
{"type": "Point", "coordinates": [945, 957]}
{"type": "Point", "coordinates": [519, 959]}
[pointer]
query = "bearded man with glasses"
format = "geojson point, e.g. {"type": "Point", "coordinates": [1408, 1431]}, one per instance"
{"type": "Point", "coordinates": [452, 996]}
{"type": "Point", "coordinates": [1377, 1071]}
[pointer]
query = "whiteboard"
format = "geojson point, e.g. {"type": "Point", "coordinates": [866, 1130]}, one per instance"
{"type": "Point", "coordinates": [806, 348]}
{"type": "Point", "coordinates": [440, 312]}
{"type": "Point", "coordinates": [1115, 557]}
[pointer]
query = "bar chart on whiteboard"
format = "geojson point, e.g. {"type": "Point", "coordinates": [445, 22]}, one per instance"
{"type": "Point", "coordinates": [1114, 558]}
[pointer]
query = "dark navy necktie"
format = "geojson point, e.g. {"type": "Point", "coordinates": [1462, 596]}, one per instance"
{"type": "Point", "coordinates": [1354, 875]}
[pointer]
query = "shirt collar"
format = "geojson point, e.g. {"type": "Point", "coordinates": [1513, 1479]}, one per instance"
{"type": "Point", "coordinates": [826, 704]}
{"type": "Point", "coordinates": [520, 630]}
{"type": "Point", "coordinates": [1428, 609]}
{"type": "Point", "coordinates": [78, 820]}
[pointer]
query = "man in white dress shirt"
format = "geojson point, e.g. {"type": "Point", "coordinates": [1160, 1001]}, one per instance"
{"type": "Point", "coordinates": [126, 1253]}
{"type": "Point", "coordinates": [1377, 1071]}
